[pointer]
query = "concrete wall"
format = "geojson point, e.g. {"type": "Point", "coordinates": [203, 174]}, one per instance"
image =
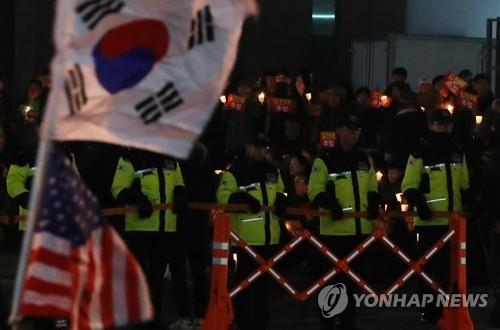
{"type": "Point", "coordinates": [465, 18]}
{"type": "Point", "coordinates": [279, 38]}
{"type": "Point", "coordinates": [364, 19]}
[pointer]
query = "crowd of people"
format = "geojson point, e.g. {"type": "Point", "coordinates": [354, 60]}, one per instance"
{"type": "Point", "coordinates": [279, 142]}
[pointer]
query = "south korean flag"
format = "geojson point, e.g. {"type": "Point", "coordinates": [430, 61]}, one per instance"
{"type": "Point", "coordinates": [141, 73]}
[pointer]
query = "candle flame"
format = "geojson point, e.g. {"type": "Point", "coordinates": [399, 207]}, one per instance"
{"type": "Point", "coordinates": [450, 107]}
{"type": "Point", "coordinates": [262, 97]}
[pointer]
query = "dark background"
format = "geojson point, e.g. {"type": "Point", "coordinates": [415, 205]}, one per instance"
{"type": "Point", "coordinates": [280, 38]}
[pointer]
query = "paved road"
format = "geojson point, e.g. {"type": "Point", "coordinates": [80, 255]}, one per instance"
{"type": "Point", "coordinates": [288, 314]}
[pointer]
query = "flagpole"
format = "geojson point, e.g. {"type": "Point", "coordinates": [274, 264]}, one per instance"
{"type": "Point", "coordinates": [62, 35]}
{"type": "Point", "coordinates": [43, 154]}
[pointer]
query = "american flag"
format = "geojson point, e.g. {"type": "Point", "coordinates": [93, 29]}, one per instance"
{"type": "Point", "coordinates": [79, 268]}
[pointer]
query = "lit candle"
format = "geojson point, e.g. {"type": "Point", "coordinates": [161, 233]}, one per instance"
{"type": "Point", "coordinates": [235, 259]}
{"type": "Point", "coordinates": [27, 109]}
{"type": "Point", "coordinates": [422, 108]}
{"type": "Point", "coordinates": [380, 175]}
{"type": "Point", "coordinates": [262, 97]}
{"type": "Point", "coordinates": [308, 97]}
{"type": "Point", "coordinates": [450, 107]}
{"type": "Point", "coordinates": [404, 207]}
{"type": "Point", "coordinates": [223, 99]}
{"type": "Point", "coordinates": [218, 172]}
{"type": "Point", "coordinates": [399, 197]}
{"type": "Point", "coordinates": [479, 119]}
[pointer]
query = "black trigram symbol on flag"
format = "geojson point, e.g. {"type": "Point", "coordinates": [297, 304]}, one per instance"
{"type": "Point", "coordinates": [152, 108]}
{"type": "Point", "coordinates": [74, 87]}
{"type": "Point", "coordinates": [202, 28]}
{"type": "Point", "coordinates": [93, 11]}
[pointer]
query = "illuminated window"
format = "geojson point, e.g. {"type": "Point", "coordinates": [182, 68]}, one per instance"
{"type": "Point", "coordinates": [323, 17]}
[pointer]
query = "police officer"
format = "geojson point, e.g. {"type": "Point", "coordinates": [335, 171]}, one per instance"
{"type": "Point", "coordinates": [254, 182]}
{"type": "Point", "coordinates": [19, 179]}
{"type": "Point", "coordinates": [25, 144]}
{"type": "Point", "coordinates": [342, 180]}
{"type": "Point", "coordinates": [21, 174]}
{"type": "Point", "coordinates": [143, 179]}
{"type": "Point", "coordinates": [436, 179]}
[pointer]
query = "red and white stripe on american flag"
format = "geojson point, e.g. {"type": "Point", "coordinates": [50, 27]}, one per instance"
{"type": "Point", "coordinates": [97, 285]}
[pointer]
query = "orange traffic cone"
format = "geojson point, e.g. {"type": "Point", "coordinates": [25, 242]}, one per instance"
{"type": "Point", "coordinates": [457, 318]}
{"type": "Point", "coordinates": [219, 314]}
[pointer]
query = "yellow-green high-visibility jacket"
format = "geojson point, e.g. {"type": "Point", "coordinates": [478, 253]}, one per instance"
{"type": "Point", "coordinates": [445, 179]}
{"type": "Point", "coordinates": [17, 176]}
{"type": "Point", "coordinates": [262, 181]}
{"type": "Point", "coordinates": [158, 185]}
{"type": "Point", "coordinates": [353, 178]}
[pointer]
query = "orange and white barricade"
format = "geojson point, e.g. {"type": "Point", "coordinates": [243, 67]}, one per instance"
{"type": "Point", "coordinates": [219, 314]}
{"type": "Point", "coordinates": [454, 318]}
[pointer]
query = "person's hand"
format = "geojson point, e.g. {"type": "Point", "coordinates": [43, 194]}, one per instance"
{"type": "Point", "coordinates": [242, 197]}
{"type": "Point", "coordinates": [134, 196]}
{"type": "Point", "coordinates": [336, 210]}
{"type": "Point", "coordinates": [415, 198]}
{"type": "Point", "coordinates": [423, 210]}
{"type": "Point", "coordinates": [144, 207]}
{"type": "Point", "coordinates": [328, 200]}
{"type": "Point", "coordinates": [23, 199]}
{"type": "Point", "coordinates": [180, 201]}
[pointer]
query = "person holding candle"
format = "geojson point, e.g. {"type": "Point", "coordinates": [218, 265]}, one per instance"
{"type": "Point", "coordinates": [297, 123]}
{"type": "Point", "coordinates": [241, 123]}
{"type": "Point", "coordinates": [31, 109]}
{"type": "Point", "coordinates": [482, 86]}
{"type": "Point", "coordinates": [405, 130]}
{"type": "Point", "coordinates": [370, 119]}
{"type": "Point", "coordinates": [286, 112]}
{"type": "Point", "coordinates": [334, 101]}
